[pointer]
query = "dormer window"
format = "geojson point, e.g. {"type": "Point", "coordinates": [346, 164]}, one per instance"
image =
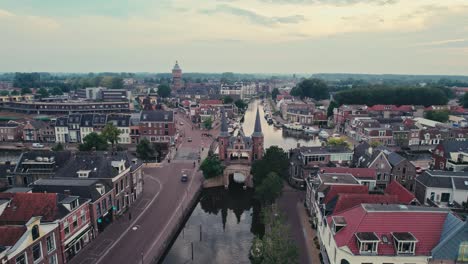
{"type": "Point", "coordinates": [367, 242]}
{"type": "Point", "coordinates": [83, 173]}
{"type": "Point", "coordinates": [35, 232]}
{"type": "Point", "coordinates": [100, 188]}
{"type": "Point", "coordinates": [339, 222]}
{"type": "Point", "coordinates": [405, 243]}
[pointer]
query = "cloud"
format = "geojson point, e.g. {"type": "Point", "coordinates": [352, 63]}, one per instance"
{"type": "Point", "coordinates": [442, 42]}
{"type": "Point", "coordinates": [255, 17]}
{"type": "Point", "coordinates": [333, 2]}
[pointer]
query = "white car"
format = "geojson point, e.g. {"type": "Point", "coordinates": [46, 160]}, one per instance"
{"type": "Point", "coordinates": [181, 123]}
{"type": "Point", "coordinates": [37, 145]}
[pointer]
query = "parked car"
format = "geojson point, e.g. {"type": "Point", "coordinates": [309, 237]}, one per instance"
{"type": "Point", "coordinates": [184, 177]}
{"type": "Point", "coordinates": [189, 139]}
{"type": "Point", "coordinates": [181, 123]}
{"type": "Point", "coordinates": [37, 145]}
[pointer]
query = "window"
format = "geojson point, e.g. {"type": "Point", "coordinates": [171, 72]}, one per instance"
{"type": "Point", "coordinates": [37, 252]}
{"type": "Point", "coordinates": [432, 196]}
{"type": "Point", "coordinates": [53, 259]}
{"type": "Point", "coordinates": [75, 222]}
{"type": "Point", "coordinates": [21, 259]}
{"type": "Point", "coordinates": [463, 252]}
{"type": "Point", "coordinates": [405, 242]}
{"type": "Point", "coordinates": [367, 242]}
{"type": "Point", "coordinates": [50, 241]}
{"type": "Point", "coordinates": [83, 216]}
{"type": "Point", "coordinates": [445, 197]}
{"type": "Point", "coordinates": [66, 228]}
{"type": "Point", "coordinates": [98, 209]}
{"type": "Point", "coordinates": [35, 232]}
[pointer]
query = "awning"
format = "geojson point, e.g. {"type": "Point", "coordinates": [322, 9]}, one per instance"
{"type": "Point", "coordinates": [71, 240]}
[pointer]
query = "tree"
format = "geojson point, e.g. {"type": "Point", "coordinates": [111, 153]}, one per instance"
{"type": "Point", "coordinates": [332, 106]}
{"type": "Point", "coordinates": [164, 90]}
{"type": "Point", "coordinates": [42, 92]}
{"type": "Point", "coordinates": [276, 246]}
{"type": "Point", "coordinates": [274, 160]}
{"type": "Point", "coordinates": [27, 80]}
{"type": "Point", "coordinates": [439, 116]}
{"type": "Point", "coordinates": [464, 100]}
{"type": "Point", "coordinates": [56, 91]}
{"type": "Point", "coordinates": [26, 90]}
{"type": "Point", "coordinates": [116, 83]}
{"type": "Point", "coordinates": [274, 93]}
{"type": "Point", "coordinates": [211, 167]}
{"type": "Point", "coordinates": [144, 150]}
{"type": "Point", "coordinates": [269, 189]}
{"type": "Point", "coordinates": [93, 141]}
{"type": "Point", "coordinates": [227, 100]}
{"type": "Point", "coordinates": [58, 147]}
{"type": "Point", "coordinates": [15, 92]}
{"type": "Point", "coordinates": [375, 144]}
{"type": "Point", "coordinates": [208, 123]}
{"type": "Point", "coordinates": [337, 142]}
{"type": "Point", "coordinates": [311, 88]}
{"type": "Point", "coordinates": [241, 104]}
{"type": "Point", "coordinates": [111, 134]}
{"type": "Point", "coordinates": [4, 93]}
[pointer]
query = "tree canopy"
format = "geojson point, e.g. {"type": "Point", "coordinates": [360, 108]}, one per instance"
{"type": "Point", "coordinates": [164, 90]}
{"type": "Point", "coordinates": [241, 104]}
{"type": "Point", "coordinates": [274, 160]}
{"type": "Point", "coordinates": [439, 116]}
{"type": "Point", "coordinates": [208, 123]}
{"type": "Point", "coordinates": [270, 189]}
{"type": "Point", "coordinates": [58, 147]}
{"type": "Point", "coordinates": [228, 100]}
{"type": "Point", "coordinates": [337, 142]}
{"type": "Point", "coordinates": [144, 150]}
{"type": "Point", "coordinates": [42, 93]}
{"type": "Point", "coordinates": [332, 106]}
{"type": "Point", "coordinates": [111, 133]}
{"type": "Point", "coordinates": [390, 95]}
{"type": "Point", "coordinates": [93, 141]}
{"type": "Point", "coordinates": [311, 88]}
{"type": "Point", "coordinates": [274, 93]}
{"type": "Point", "coordinates": [26, 90]}
{"type": "Point", "coordinates": [211, 167]}
{"type": "Point", "coordinates": [464, 100]}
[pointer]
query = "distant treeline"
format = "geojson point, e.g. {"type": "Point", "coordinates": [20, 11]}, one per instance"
{"type": "Point", "coordinates": [394, 95]}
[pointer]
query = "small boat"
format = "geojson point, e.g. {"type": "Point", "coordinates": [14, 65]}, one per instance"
{"type": "Point", "coordinates": [323, 134]}
{"type": "Point", "coordinates": [294, 126]}
{"type": "Point", "coordinates": [310, 130]}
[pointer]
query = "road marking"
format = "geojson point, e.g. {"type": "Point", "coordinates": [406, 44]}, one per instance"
{"type": "Point", "coordinates": [134, 221]}
{"type": "Point", "coordinates": [172, 216]}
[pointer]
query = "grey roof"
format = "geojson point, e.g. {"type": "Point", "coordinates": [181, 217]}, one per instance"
{"type": "Point", "coordinates": [98, 163]}
{"type": "Point", "coordinates": [18, 190]}
{"type": "Point", "coordinates": [338, 178]}
{"type": "Point", "coordinates": [394, 158]}
{"type": "Point", "coordinates": [224, 126]}
{"type": "Point", "coordinates": [444, 179]}
{"type": "Point", "coordinates": [258, 126]}
{"type": "Point", "coordinates": [454, 146]}
{"type": "Point", "coordinates": [56, 160]}
{"type": "Point", "coordinates": [85, 188]}
{"type": "Point", "coordinates": [454, 232]}
{"type": "Point", "coordinates": [87, 120]}
{"type": "Point", "coordinates": [157, 116]}
{"type": "Point", "coordinates": [61, 121]}
{"type": "Point", "coordinates": [119, 120]}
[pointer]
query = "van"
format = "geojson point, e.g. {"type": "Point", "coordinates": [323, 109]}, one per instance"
{"type": "Point", "coordinates": [37, 145]}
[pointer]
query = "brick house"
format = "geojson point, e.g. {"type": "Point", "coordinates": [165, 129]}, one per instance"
{"type": "Point", "coordinates": [451, 155]}
{"type": "Point", "coordinates": [158, 126]}
{"type": "Point", "coordinates": [366, 156]}
{"type": "Point", "coordinates": [39, 131]}
{"type": "Point", "coordinates": [11, 131]}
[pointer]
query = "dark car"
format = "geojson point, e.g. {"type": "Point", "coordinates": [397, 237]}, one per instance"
{"type": "Point", "coordinates": [184, 177]}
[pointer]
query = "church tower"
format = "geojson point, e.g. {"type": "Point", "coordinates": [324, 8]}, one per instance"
{"type": "Point", "coordinates": [223, 138]}
{"type": "Point", "coordinates": [257, 139]}
{"type": "Point", "coordinates": [176, 77]}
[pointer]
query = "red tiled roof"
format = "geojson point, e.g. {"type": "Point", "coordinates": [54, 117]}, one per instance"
{"type": "Point", "coordinates": [426, 226]}
{"type": "Point", "coordinates": [404, 196]}
{"type": "Point", "coordinates": [356, 172]}
{"type": "Point", "coordinates": [403, 108]}
{"type": "Point", "coordinates": [349, 200]}
{"type": "Point", "coordinates": [11, 234]}
{"type": "Point", "coordinates": [23, 206]}
{"type": "Point", "coordinates": [334, 190]}
{"type": "Point", "coordinates": [211, 102]}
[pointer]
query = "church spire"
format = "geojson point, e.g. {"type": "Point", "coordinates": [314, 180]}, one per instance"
{"type": "Point", "coordinates": [258, 126]}
{"type": "Point", "coordinates": [224, 125]}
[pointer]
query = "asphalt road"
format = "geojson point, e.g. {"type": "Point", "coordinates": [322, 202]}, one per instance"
{"type": "Point", "coordinates": [158, 211]}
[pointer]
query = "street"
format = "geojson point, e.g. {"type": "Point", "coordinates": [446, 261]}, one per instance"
{"type": "Point", "coordinates": [156, 214]}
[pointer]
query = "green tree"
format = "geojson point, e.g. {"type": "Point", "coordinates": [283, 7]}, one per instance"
{"type": "Point", "coordinates": [274, 160]}
{"type": "Point", "coordinates": [4, 93]}
{"type": "Point", "coordinates": [14, 92]}
{"type": "Point", "coordinates": [311, 88]}
{"type": "Point", "coordinates": [464, 100]}
{"type": "Point", "coordinates": [208, 123]}
{"type": "Point", "coordinates": [56, 91]}
{"type": "Point", "coordinates": [26, 90]}
{"type": "Point", "coordinates": [164, 90]}
{"type": "Point", "coordinates": [93, 141]}
{"type": "Point", "coordinates": [58, 147]}
{"type": "Point", "coordinates": [211, 167]}
{"type": "Point", "coordinates": [332, 106]}
{"type": "Point", "coordinates": [144, 150]}
{"type": "Point", "coordinates": [439, 116]}
{"type": "Point", "coordinates": [42, 93]}
{"type": "Point", "coordinates": [111, 133]}
{"type": "Point", "coordinates": [116, 83]}
{"type": "Point", "coordinates": [337, 142]}
{"type": "Point", "coordinates": [227, 100]}
{"type": "Point", "coordinates": [274, 93]}
{"type": "Point", "coordinates": [241, 104]}
{"type": "Point", "coordinates": [269, 189]}
{"type": "Point", "coordinates": [276, 246]}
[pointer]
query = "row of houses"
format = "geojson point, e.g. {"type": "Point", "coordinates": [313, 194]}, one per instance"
{"type": "Point", "coordinates": [155, 125]}
{"type": "Point", "coordinates": [60, 201]}
{"type": "Point", "coordinates": [356, 224]}
{"type": "Point", "coordinates": [305, 113]}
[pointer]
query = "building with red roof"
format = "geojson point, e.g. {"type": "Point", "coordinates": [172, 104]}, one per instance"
{"type": "Point", "coordinates": [365, 176]}
{"type": "Point", "coordinates": [403, 194]}
{"type": "Point", "coordinates": [345, 201]}
{"type": "Point", "coordinates": [381, 233]}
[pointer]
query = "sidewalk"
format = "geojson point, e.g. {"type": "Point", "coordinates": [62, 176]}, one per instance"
{"type": "Point", "coordinates": [309, 234]}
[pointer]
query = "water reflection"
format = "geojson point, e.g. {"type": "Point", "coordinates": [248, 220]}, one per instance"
{"type": "Point", "coordinates": [273, 135]}
{"type": "Point", "coordinates": [228, 220]}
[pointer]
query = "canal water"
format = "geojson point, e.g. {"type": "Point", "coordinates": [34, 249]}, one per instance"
{"type": "Point", "coordinates": [224, 222]}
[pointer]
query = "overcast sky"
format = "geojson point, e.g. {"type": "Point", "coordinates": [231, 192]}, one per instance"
{"type": "Point", "coordinates": [251, 36]}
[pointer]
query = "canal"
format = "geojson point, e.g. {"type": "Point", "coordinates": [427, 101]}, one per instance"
{"type": "Point", "coordinates": [224, 222]}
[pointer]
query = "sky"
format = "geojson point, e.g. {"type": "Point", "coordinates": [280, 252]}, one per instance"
{"type": "Point", "coordinates": [245, 36]}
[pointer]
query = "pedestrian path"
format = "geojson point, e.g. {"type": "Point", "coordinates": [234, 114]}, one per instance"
{"type": "Point", "coordinates": [309, 233]}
